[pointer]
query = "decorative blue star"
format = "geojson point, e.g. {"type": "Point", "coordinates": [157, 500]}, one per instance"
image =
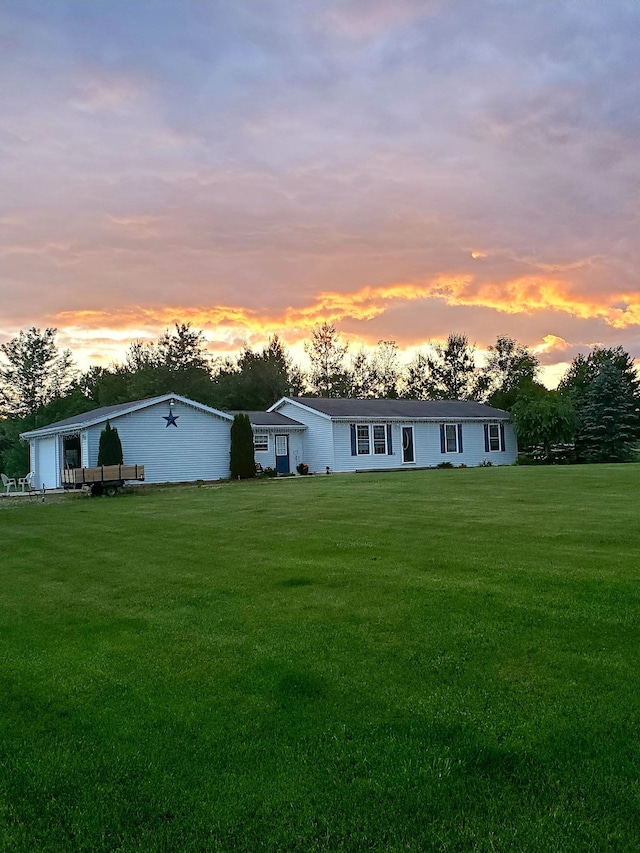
{"type": "Point", "coordinates": [171, 419]}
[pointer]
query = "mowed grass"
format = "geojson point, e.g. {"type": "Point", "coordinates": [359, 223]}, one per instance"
{"type": "Point", "coordinates": [443, 660]}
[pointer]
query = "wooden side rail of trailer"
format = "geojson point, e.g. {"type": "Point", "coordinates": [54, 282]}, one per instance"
{"type": "Point", "coordinates": [103, 479]}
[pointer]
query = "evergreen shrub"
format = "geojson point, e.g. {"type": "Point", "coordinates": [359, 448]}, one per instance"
{"type": "Point", "coordinates": [110, 448]}
{"type": "Point", "coordinates": [243, 460]}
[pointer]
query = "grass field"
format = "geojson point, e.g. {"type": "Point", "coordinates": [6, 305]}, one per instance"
{"type": "Point", "coordinates": [425, 661]}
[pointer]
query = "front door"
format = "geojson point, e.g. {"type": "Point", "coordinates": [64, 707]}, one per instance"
{"type": "Point", "coordinates": [282, 454]}
{"type": "Point", "coordinates": [407, 444]}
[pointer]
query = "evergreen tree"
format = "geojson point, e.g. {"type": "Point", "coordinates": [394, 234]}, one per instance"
{"type": "Point", "coordinates": [243, 461]}
{"type": "Point", "coordinates": [604, 385]}
{"type": "Point", "coordinates": [328, 376]}
{"type": "Point", "coordinates": [178, 362]}
{"type": "Point", "coordinates": [385, 370]}
{"type": "Point", "coordinates": [361, 376]}
{"type": "Point", "coordinates": [110, 447]}
{"type": "Point", "coordinates": [609, 425]}
{"type": "Point", "coordinates": [416, 384]}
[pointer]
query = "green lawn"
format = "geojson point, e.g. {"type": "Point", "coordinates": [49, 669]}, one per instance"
{"type": "Point", "coordinates": [442, 660]}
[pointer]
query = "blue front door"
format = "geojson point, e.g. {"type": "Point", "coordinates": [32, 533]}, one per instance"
{"type": "Point", "coordinates": [282, 454]}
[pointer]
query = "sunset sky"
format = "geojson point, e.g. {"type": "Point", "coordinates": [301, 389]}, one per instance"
{"type": "Point", "coordinates": [403, 169]}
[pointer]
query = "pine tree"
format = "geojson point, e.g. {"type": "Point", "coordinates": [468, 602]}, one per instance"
{"type": "Point", "coordinates": [609, 425]}
{"type": "Point", "coordinates": [605, 391]}
{"type": "Point", "coordinates": [328, 376]}
{"type": "Point", "coordinates": [110, 447]}
{"type": "Point", "coordinates": [243, 461]}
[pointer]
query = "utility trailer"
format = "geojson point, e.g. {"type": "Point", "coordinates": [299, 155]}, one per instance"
{"type": "Point", "coordinates": [103, 479]}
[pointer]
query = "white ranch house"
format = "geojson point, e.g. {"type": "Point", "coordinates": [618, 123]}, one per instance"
{"type": "Point", "coordinates": [179, 440]}
{"type": "Point", "coordinates": [365, 435]}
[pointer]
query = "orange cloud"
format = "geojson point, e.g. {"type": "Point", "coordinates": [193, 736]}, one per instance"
{"type": "Point", "coordinates": [231, 323]}
{"type": "Point", "coordinates": [552, 343]}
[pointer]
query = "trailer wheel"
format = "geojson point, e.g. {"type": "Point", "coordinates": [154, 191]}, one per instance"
{"type": "Point", "coordinates": [110, 491]}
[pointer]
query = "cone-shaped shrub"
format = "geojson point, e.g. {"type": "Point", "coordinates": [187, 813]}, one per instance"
{"type": "Point", "coordinates": [110, 448]}
{"type": "Point", "coordinates": [243, 461]}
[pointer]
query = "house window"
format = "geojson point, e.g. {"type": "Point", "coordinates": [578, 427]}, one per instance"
{"type": "Point", "coordinates": [363, 440]}
{"type": "Point", "coordinates": [494, 437]}
{"type": "Point", "coordinates": [371, 438]}
{"type": "Point", "coordinates": [450, 438]}
{"type": "Point", "coordinates": [261, 442]}
{"type": "Point", "coordinates": [379, 439]}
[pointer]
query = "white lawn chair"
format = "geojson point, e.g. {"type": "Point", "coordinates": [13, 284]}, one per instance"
{"type": "Point", "coordinates": [8, 482]}
{"type": "Point", "coordinates": [27, 482]}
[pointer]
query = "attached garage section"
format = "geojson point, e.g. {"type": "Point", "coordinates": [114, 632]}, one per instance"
{"type": "Point", "coordinates": [175, 439]}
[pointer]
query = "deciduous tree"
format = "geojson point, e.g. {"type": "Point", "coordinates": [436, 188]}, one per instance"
{"type": "Point", "coordinates": [447, 373]}
{"type": "Point", "coordinates": [542, 418]}
{"type": "Point", "coordinates": [33, 371]}
{"type": "Point", "coordinates": [257, 379]}
{"type": "Point", "coordinates": [509, 368]}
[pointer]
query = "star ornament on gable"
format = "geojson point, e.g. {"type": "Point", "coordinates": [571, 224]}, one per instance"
{"type": "Point", "coordinates": [171, 419]}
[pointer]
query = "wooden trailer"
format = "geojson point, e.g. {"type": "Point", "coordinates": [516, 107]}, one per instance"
{"type": "Point", "coordinates": [103, 479]}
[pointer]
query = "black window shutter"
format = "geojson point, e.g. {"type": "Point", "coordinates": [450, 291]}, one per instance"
{"type": "Point", "coordinates": [486, 438]}
{"type": "Point", "coordinates": [459, 438]}
{"type": "Point", "coordinates": [502, 444]}
{"type": "Point", "coordinates": [389, 441]}
{"type": "Point", "coordinates": [442, 444]}
{"type": "Point", "coordinates": [354, 446]}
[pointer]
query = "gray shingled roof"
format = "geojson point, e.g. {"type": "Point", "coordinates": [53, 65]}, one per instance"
{"type": "Point", "coordinates": [88, 417]}
{"type": "Point", "coordinates": [410, 409]}
{"type": "Point", "coordinates": [269, 419]}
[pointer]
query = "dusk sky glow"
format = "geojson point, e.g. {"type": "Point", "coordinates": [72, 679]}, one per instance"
{"type": "Point", "coordinates": [403, 169]}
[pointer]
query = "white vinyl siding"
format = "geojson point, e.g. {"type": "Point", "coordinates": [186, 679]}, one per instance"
{"type": "Point", "coordinates": [426, 447]}
{"type": "Point", "coordinates": [197, 448]}
{"type": "Point", "coordinates": [317, 445]}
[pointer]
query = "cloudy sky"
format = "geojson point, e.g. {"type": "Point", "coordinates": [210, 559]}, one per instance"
{"type": "Point", "coordinates": [403, 169]}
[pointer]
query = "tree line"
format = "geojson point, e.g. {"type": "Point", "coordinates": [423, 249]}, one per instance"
{"type": "Point", "coordinates": [592, 416]}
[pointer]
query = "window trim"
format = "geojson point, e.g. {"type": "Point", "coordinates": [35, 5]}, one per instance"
{"type": "Point", "coordinates": [454, 427]}
{"type": "Point", "coordinates": [261, 449]}
{"type": "Point", "coordinates": [494, 438]}
{"type": "Point", "coordinates": [383, 427]}
{"type": "Point", "coordinates": [371, 439]}
{"type": "Point", "coordinates": [366, 452]}
{"type": "Point", "coordinates": [502, 441]}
